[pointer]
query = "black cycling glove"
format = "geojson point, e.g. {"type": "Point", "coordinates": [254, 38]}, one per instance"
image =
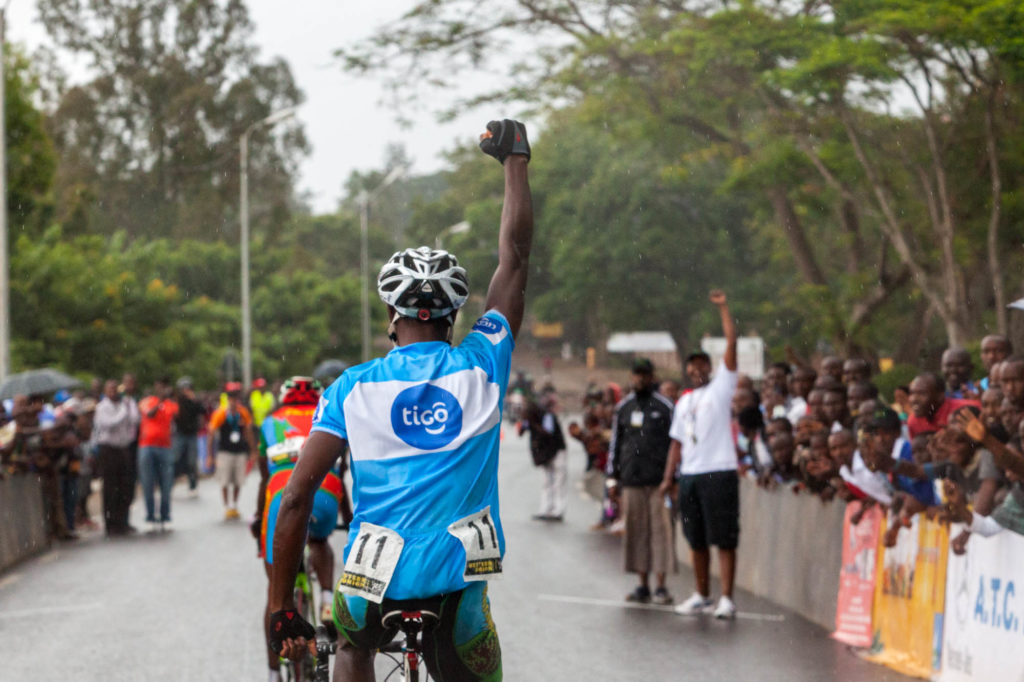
{"type": "Point", "coordinates": [504, 138]}
{"type": "Point", "coordinates": [288, 624]}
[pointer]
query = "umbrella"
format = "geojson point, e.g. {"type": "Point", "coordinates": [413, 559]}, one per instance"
{"type": "Point", "coordinates": [36, 382]}
{"type": "Point", "coordinates": [330, 369]}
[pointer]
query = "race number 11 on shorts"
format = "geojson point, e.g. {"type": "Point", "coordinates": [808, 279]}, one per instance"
{"type": "Point", "coordinates": [371, 562]}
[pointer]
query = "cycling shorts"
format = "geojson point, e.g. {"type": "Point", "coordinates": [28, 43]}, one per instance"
{"type": "Point", "coordinates": [322, 521]}
{"type": "Point", "coordinates": [462, 648]}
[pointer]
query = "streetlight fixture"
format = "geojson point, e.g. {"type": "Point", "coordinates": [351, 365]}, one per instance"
{"type": "Point", "coordinates": [458, 228]}
{"type": "Point", "coordinates": [365, 197]}
{"type": "Point", "coordinates": [243, 162]}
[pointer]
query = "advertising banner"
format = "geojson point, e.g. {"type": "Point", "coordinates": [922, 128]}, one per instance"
{"type": "Point", "coordinates": [857, 577]}
{"type": "Point", "coordinates": [909, 599]}
{"type": "Point", "coordinates": [984, 633]}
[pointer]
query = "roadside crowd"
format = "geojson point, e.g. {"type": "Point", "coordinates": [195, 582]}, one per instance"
{"type": "Point", "coordinates": [948, 445]}
{"type": "Point", "coordinates": [130, 440]}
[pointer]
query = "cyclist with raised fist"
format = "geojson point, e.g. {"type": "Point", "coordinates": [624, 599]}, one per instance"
{"type": "Point", "coordinates": [422, 426]}
{"type": "Point", "coordinates": [282, 435]}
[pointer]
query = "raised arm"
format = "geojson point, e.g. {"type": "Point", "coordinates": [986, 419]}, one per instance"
{"type": "Point", "coordinates": [1006, 458]}
{"type": "Point", "coordinates": [728, 328]}
{"type": "Point", "coordinates": [506, 141]}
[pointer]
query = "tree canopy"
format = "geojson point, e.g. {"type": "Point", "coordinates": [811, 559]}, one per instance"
{"type": "Point", "coordinates": [866, 144]}
{"type": "Point", "coordinates": [849, 171]}
{"type": "Point", "coordinates": [149, 145]}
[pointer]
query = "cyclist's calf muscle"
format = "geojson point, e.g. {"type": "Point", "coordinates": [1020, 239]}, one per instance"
{"type": "Point", "coordinates": [352, 664]}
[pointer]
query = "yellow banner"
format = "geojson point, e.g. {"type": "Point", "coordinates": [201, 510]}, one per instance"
{"type": "Point", "coordinates": [910, 592]}
{"type": "Point", "coordinates": [547, 330]}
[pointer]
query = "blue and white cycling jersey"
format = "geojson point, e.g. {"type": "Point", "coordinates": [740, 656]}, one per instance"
{"type": "Point", "coordinates": [423, 427]}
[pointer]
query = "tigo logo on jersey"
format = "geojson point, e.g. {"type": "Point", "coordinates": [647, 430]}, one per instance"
{"type": "Point", "coordinates": [426, 417]}
{"type": "Point", "coordinates": [487, 326]}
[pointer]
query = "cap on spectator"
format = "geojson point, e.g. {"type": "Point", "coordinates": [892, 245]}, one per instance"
{"type": "Point", "coordinates": [259, 382]}
{"type": "Point", "coordinates": [233, 388]}
{"type": "Point", "coordinates": [643, 366]}
{"type": "Point", "coordinates": [883, 419]}
{"type": "Point", "coordinates": [61, 396]}
{"type": "Point", "coordinates": [185, 382]}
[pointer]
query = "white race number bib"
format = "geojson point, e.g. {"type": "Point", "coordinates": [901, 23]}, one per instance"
{"type": "Point", "coordinates": [287, 450]}
{"type": "Point", "coordinates": [371, 562]}
{"type": "Point", "coordinates": [479, 537]}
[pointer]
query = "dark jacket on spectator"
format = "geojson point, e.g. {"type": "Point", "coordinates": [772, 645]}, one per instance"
{"type": "Point", "coordinates": [544, 444]}
{"type": "Point", "coordinates": [640, 440]}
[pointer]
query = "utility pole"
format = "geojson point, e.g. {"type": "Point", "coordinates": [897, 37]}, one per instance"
{"type": "Point", "coordinates": [243, 212]}
{"type": "Point", "coordinates": [243, 160]}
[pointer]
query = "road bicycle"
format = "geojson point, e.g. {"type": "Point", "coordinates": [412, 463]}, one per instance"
{"type": "Point", "coordinates": [407, 652]}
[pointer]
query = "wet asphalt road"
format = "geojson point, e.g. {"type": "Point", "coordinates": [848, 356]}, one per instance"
{"type": "Point", "coordinates": [187, 605]}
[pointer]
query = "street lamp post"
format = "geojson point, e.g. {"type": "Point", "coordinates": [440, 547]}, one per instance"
{"type": "Point", "coordinates": [365, 198]}
{"type": "Point", "coordinates": [243, 162]}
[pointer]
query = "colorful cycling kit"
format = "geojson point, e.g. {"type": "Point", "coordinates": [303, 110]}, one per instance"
{"type": "Point", "coordinates": [423, 428]}
{"type": "Point", "coordinates": [281, 437]}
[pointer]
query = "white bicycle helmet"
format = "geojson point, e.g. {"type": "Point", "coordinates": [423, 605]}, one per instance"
{"type": "Point", "coordinates": [424, 283]}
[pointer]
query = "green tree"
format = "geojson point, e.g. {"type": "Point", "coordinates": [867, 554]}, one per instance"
{"type": "Point", "coordinates": [301, 319]}
{"type": "Point", "coordinates": [617, 245]}
{"type": "Point", "coordinates": [149, 145]}
{"type": "Point", "coordinates": [81, 304]}
{"type": "Point", "coordinates": [802, 102]}
{"type": "Point", "coordinates": [31, 161]}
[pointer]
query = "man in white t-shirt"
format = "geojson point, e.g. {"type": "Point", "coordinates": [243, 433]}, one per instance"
{"type": "Point", "coordinates": [703, 455]}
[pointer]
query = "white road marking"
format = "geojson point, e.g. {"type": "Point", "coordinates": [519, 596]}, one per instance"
{"type": "Point", "coordinates": [565, 599]}
{"type": "Point", "coordinates": [48, 610]}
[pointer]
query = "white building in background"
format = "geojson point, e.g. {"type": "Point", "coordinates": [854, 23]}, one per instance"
{"type": "Point", "coordinates": [749, 354]}
{"type": "Point", "coordinates": [659, 347]}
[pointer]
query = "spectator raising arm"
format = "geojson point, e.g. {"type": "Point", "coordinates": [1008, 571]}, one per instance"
{"type": "Point", "coordinates": [675, 451]}
{"type": "Point", "coordinates": [1006, 458]}
{"type": "Point", "coordinates": [728, 328]}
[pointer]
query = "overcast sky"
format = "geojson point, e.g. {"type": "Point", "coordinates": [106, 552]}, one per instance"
{"type": "Point", "coordinates": [345, 122]}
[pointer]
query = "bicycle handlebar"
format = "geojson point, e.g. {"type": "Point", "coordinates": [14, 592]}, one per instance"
{"type": "Point", "coordinates": [321, 647]}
